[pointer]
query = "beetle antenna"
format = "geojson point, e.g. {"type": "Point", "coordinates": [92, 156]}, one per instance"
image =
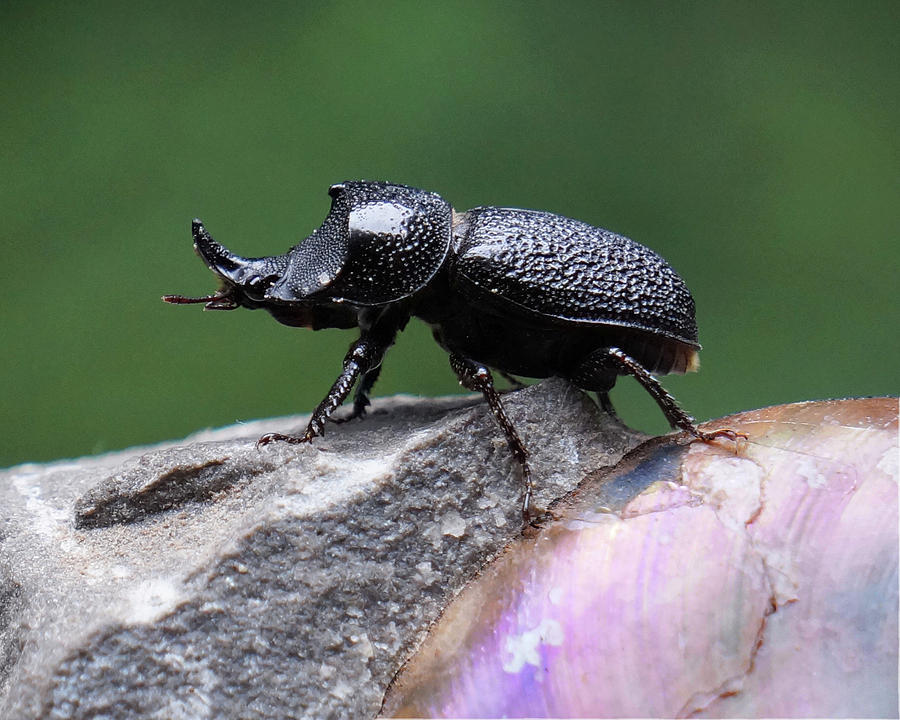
{"type": "Point", "coordinates": [219, 301]}
{"type": "Point", "coordinates": [183, 300]}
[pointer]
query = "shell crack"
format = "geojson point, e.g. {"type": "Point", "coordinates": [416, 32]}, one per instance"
{"type": "Point", "coordinates": [701, 701]}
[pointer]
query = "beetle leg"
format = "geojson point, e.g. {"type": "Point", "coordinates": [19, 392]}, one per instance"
{"type": "Point", "coordinates": [363, 357]}
{"type": "Point", "coordinates": [361, 396]}
{"type": "Point", "coordinates": [514, 382]}
{"type": "Point", "coordinates": [677, 417]}
{"type": "Point", "coordinates": [476, 377]}
{"type": "Point", "coordinates": [605, 403]}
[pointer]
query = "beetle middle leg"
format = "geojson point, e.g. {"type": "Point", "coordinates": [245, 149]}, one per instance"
{"type": "Point", "coordinates": [514, 382]}
{"type": "Point", "coordinates": [477, 377]}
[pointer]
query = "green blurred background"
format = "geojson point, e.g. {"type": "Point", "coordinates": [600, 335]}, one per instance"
{"type": "Point", "coordinates": [754, 145]}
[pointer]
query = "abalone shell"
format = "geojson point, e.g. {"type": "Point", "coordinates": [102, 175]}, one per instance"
{"type": "Point", "coordinates": [692, 580]}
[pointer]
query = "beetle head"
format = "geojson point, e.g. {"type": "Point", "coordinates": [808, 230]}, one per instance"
{"type": "Point", "coordinates": [248, 283]}
{"type": "Point", "coordinates": [243, 282]}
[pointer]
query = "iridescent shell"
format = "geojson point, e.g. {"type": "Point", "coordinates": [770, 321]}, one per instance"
{"type": "Point", "coordinates": [693, 580]}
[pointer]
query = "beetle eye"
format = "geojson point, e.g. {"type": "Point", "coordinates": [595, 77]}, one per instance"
{"type": "Point", "coordinates": [256, 286]}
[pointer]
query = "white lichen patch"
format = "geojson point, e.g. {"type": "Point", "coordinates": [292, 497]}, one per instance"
{"type": "Point", "coordinates": [433, 535]}
{"type": "Point", "coordinates": [889, 463]}
{"type": "Point", "coordinates": [45, 519]}
{"type": "Point", "coordinates": [342, 690]}
{"type": "Point", "coordinates": [362, 470]}
{"type": "Point", "coordinates": [524, 648]}
{"type": "Point", "coordinates": [152, 599]}
{"type": "Point", "coordinates": [808, 469]}
{"type": "Point", "coordinates": [731, 485]}
{"type": "Point", "coordinates": [658, 497]}
{"type": "Point", "coordinates": [488, 500]}
{"type": "Point", "coordinates": [339, 479]}
{"type": "Point", "coordinates": [120, 572]}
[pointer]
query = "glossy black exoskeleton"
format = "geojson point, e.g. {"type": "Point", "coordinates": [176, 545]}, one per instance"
{"type": "Point", "coordinates": [525, 292]}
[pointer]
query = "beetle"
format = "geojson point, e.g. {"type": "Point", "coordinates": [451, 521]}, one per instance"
{"type": "Point", "coordinates": [525, 292]}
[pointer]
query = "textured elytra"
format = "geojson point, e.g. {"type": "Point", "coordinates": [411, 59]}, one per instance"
{"type": "Point", "coordinates": [563, 268]}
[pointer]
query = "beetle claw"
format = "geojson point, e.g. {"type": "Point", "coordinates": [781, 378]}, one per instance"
{"type": "Point", "coordinates": [312, 432]}
{"type": "Point", "coordinates": [278, 437]}
{"type": "Point", "coordinates": [535, 519]}
{"type": "Point", "coordinates": [737, 437]}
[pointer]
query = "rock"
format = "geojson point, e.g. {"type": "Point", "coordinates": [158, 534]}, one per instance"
{"type": "Point", "coordinates": [692, 581]}
{"type": "Point", "coordinates": [210, 579]}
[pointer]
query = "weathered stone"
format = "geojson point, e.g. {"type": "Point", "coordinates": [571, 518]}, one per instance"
{"type": "Point", "coordinates": [212, 579]}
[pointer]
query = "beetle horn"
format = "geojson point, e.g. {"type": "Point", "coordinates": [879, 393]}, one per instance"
{"type": "Point", "coordinates": [220, 260]}
{"type": "Point", "coordinates": [229, 267]}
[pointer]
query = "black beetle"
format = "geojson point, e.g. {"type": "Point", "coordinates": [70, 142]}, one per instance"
{"type": "Point", "coordinates": [525, 292]}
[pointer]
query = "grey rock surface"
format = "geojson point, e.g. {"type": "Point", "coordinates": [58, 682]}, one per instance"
{"type": "Point", "coordinates": [210, 579]}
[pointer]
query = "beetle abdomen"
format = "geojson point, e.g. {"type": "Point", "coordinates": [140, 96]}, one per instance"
{"type": "Point", "coordinates": [535, 346]}
{"type": "Point", "coordinates": [555, 267]}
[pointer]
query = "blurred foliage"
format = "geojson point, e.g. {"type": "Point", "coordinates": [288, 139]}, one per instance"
{"type": "Point", "coordinates": [754, 145]}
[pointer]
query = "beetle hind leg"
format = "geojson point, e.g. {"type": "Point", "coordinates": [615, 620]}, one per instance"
{"type": "Point", "coordinates": [602, 361]}
{"type": "Point", "coordinates": [477, 377]}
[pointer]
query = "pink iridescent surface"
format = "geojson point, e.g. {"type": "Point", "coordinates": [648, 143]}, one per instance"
{"type": "Point", "coordinates": [693, 581]}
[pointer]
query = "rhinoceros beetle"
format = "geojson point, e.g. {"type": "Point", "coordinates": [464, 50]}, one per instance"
{"type": "Point", "coordinates": [527, 293]}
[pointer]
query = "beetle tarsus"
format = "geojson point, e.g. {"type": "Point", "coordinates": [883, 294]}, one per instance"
{"type": "Point", "coordinates": [538, 519]}
{"type": "Point", "coordinates": [278, 437]}
{"type": "Point", "coordinates": [737, 437]}
{"type": "Point", "coordinates": [677, 417]}
{"type": "Point", "coordinates": [313, 430]}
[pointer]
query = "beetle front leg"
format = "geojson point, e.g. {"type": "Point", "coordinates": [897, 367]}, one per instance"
{"type": "Point", "coordinates": [363, 357]}
{"type": "Point", "coordinates": [361, 396]}
{"type": "Point", "coordinates": [606, 404]}
{"type": "Point", "coordinates": [476, 377]}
